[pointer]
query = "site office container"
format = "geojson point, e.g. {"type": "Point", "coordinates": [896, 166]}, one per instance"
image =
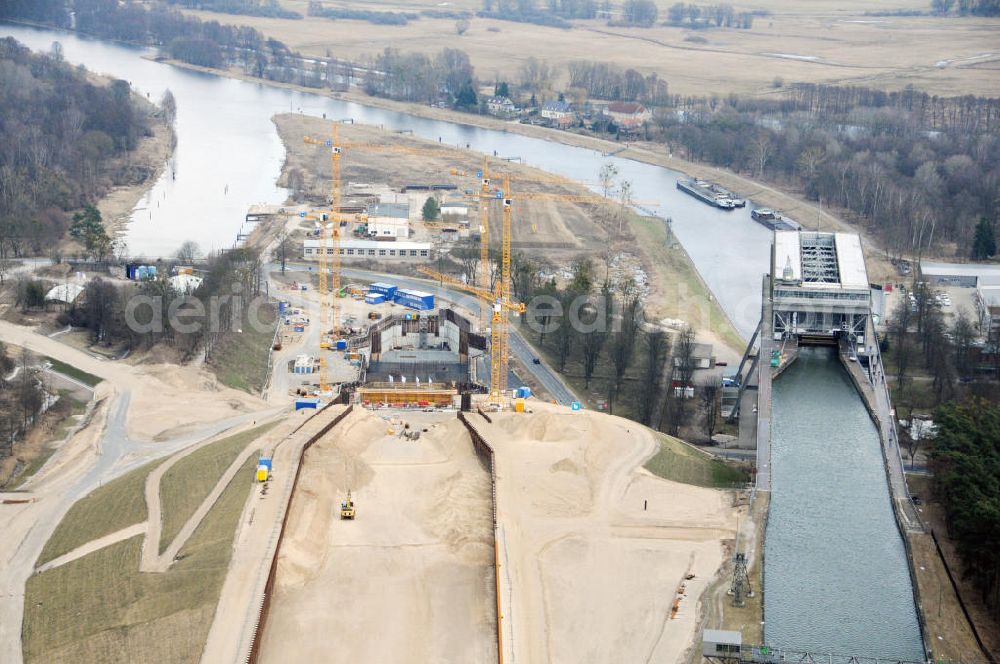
{"type": "Point", "coordinates": [374, 298]}
{"type": "Point", "coordinates": [386, 290]}
{"type": "Point", "coordinates": [418, 300]}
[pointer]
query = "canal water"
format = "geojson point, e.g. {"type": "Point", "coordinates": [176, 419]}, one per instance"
{"type": "Point", "coordinates": [835, 568]}
{"type": "Point", "coordinates": [229, 155]}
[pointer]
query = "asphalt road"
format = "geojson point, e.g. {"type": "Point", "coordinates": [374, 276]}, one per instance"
{"type": "Point", "coordinates": [519, 346]}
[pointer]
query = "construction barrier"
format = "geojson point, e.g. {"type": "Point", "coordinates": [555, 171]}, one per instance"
{"type": "Point", "coordinates": [485, 454]}
{"type": "Point", "coordinates": [265, 606]}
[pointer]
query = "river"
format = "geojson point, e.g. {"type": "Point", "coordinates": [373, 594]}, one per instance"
{"type": "Point", "coordinates": [229, 155]}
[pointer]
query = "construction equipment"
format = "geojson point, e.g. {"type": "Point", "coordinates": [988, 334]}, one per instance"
{"type": "Point", "coordinates": [347, 507]}
{"type": "Point", "coordinates": [499, 361]}
{"type": "Point", "coordinates": [263, 468]}
{"type": "Point", "coordinates": [330, 222]}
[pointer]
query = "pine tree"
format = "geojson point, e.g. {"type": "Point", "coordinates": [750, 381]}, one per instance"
{"type": "Point", "coordinates": [431, 209]}
{"type": "Point", "coordinates": [984, 244]}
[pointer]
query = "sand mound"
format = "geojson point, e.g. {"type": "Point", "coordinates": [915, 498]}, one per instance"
{"type": "Point", "coordinates": [461, 513]}
{"type": "Point", "coordinates": [543, 427]}
{"type": "Point", "coordinates": [565, 465]}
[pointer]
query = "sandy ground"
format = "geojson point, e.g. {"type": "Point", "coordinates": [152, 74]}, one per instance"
{"type": "Point", "coordinates": [817, 42]}
{"type": "Point", "coordinates": [411, 579]}
{"type": "Point", "coordinates": [594, 549]}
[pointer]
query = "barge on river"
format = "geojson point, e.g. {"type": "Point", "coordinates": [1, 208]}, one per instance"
{"type": "Point", "coordinates": [773, 220]}
{"type": "Point", "coordinates": [710, 193]}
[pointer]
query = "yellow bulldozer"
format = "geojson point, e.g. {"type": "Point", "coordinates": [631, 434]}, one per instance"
{"type": "Point", "coordinates": [347, 507]}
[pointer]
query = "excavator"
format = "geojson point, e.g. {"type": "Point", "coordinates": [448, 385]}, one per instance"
{"type": "Point", "coordinates": [347, 507]}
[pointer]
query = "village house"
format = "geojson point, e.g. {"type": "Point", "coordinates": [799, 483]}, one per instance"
{"type": "Point", "coordinates": [501, 107]}
{"type": "Point", "coordinates": [628, 114]}
{"type": "Point", "coordinates": [558, 113]}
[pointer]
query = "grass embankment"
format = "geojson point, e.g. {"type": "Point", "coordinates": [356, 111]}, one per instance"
{"type": "Point", "coordinates": [60, 418]}
{"type": "Point", "coordinates": [72, 372]}
{"type": "Point", "coordinates": [748, 618]}
{"type": "Point", "coordinates": [190, 480]}
{"type": "Point", "coordinates": [683, 294]}
{"type": "Point", "coordinates": [240, 361]}
{"type": "Point", "coordinates": [679, 462]}
{"type": "Point", "coordinates": [101, 609]}
{"type": "Point", "coordinates": [116, 505]}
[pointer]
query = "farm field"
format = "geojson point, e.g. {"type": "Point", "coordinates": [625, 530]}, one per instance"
{"type": "Point", "coordinates": [825, 42]}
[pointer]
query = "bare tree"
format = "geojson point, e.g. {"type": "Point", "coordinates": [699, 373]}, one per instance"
{"type": "Point", "coordinates": [461, 26]}
{"type": "Point", "coordinates": [710, 408]}
{"type": "Point", "coordinates": [625, 199]}
{"type": "Point", "coordinates": [655, 349]}
{"type": "Point", "coordinates": [188, 252]}
{"type": "Point", "coordinates": [168, 105]}
{"type": "Point", "coordinates": [283, 248]}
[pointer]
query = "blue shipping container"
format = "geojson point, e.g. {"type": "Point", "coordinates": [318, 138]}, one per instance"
{"type": "Point", "coordinates": [418, 300]}
{"type": "Point", "coordinates": [306, 403]}
{"type": "Point", "coordinates": [341, 344]}
{"type": "Point", "coordinates": [388, 290]}
{"type": "Point", "coordinates": [281, 308]}
{"type": "Point", "coordinates": [374, 298]}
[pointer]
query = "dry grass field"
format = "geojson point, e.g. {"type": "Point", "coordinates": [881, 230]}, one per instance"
{"type": "Point", "coordinates": [821, 42]}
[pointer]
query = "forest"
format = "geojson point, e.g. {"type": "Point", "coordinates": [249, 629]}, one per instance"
{"type": "Point", "coordinates": [60, 135]}
{"type": "Point", "coordinates": [966, 463]}
{"type": "Point", "coordinates": [918, 172]}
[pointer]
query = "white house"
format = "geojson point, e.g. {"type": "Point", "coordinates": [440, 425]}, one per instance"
{"type": "Point", "coordinates": [501, 106]}
{"type": "Point", "coordinates": [559, 113]}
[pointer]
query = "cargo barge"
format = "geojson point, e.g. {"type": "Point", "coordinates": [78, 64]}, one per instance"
{"type": "Point", "coordinates": [773, 220]}
{"type": "Point", "coordinates": [710, 193]}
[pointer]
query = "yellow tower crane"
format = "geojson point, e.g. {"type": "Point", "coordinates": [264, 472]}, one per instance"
{"type": "Point", "coordinates": [329, 239]}
{"type": "Point", "coordinates": [499, 363]}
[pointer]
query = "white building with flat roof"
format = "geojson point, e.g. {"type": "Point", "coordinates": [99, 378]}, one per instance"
{"type": "Point", "coordinates": [820, 285]}
{"type": "Point", "coordinates": [371, 249]}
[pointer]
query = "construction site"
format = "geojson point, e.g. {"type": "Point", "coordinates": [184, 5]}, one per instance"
{"type": "Point", "coordinates": [407, 498]}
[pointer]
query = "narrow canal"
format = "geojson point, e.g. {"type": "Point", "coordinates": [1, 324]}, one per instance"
{"type": "Point", "coordinates": [835, 567]}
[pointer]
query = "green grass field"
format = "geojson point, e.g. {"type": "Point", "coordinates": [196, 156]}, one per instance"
{"type": "Point", "coordinates": [241, 360]}
{"type": "Point", "coordinates": [680, 462]}
{"type": "Point", "coordinates": [71, 371]}
{"type": "Point", "coordinates": [101, 609]}
{"type": "Point", "coordinates": [188, 481]}
{"type": "Point", "coordinates": [116, 505]}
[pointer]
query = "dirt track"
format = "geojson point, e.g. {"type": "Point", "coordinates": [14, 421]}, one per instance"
{"type": "Point", "coordinates": [412, 578]}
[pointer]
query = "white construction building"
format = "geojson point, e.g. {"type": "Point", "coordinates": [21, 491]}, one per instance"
{"type": "Point", "coordinates": [371, 250]}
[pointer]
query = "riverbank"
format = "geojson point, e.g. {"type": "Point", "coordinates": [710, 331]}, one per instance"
{"type": "Point", "coordinates": [794, 205]}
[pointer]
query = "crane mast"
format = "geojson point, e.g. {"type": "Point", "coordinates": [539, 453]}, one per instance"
{"type": "Point", "coordinates": [499, 308]}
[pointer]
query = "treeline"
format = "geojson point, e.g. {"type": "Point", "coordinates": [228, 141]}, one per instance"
{"type": "Point", "coordinates": [966, 464]}
{"type": "Point", "coordinates": [60, 136]}
{"type": "Point", "coordinates": [377, 17]}
{"type": "Point", "coordinates": [266, 8]}
{"type": "Point", "coordinates": [603, 80]}
{"type": "Point", "coordinates": [418, 77]}
{"type": "Point", "coordinates": [916, 170]}
{"type": "Point", "coordinates": [150, 312]}
{"type": "Point", "coordinates": [720, 16]}
{"type": "Point", "coordinates": [931, 357]}
{"type": "Point", "coordinates": [22, 397]}
{"type": "Point", "coordinates": [966, 7]}
{"type": "Point", "coordinates": [186, 38]}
